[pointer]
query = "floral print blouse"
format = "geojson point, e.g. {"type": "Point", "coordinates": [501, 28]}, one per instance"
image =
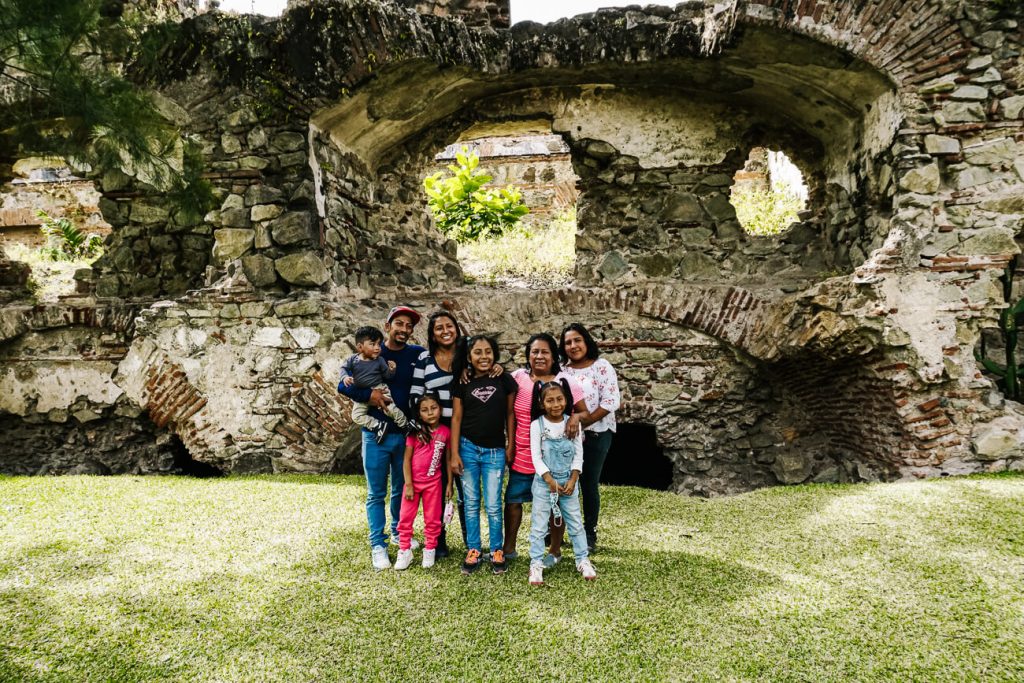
{"type": "Point", "coordinates": [600, 390]}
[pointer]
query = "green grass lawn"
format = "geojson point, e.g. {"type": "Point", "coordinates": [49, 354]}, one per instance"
{"type": "Point", "coordinates": [269, 579]}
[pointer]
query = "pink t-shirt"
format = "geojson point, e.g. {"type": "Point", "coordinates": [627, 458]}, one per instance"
{"type": "Point", "coordinates": [428, 458]}
{"type": "Point", "coordinates": [523, 462]}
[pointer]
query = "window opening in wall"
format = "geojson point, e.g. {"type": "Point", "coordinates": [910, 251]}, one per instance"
{"type": "Point", "coordinates": [999, 349]}
{"type": "Point", "coordinates": [50, 219]}
{"type": "Point", "coordinates": [498, 242]}
{"type": "Point", "coordinates": [768, 193]}
{"type": "Point", "coordinates": [636, 459]}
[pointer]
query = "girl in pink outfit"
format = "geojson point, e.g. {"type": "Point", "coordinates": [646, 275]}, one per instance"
{"type": "Point", "coordinates": [423, 464]}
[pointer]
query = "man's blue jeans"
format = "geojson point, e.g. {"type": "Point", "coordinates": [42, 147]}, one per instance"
{"type": "Point", "coordinates": [482, 466]}
{"type": "Point", "coordinates": [379, 460]}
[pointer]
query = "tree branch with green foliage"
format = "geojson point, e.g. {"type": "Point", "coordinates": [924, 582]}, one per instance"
{"type": "Point", "coordinates": [63, 93]}
{"type": "Point", "coordinates": [463, 209]}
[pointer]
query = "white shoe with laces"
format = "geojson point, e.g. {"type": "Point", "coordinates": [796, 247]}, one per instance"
{"type": "Point", "coordinates": [413, 543]}
{"type": "Point", "coordinates": [404, 559]}
{"type": "Point", "coordinates": [537, 574]}
{"type": "Point", "coordinates": [587, 569]}
{"type": "Point", "coordinates": [380, 557]}
{"type": "Point", "coordinates": [428, 558]}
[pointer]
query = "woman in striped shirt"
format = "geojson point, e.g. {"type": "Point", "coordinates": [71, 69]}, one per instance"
{"type": "Point", "coordinates": [434, 373]}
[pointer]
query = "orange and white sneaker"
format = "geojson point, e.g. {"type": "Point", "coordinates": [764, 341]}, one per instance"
{"type": "Point", "coordinates": [498, 565]}
{"type": "Point", "coordinates": [472, 561]}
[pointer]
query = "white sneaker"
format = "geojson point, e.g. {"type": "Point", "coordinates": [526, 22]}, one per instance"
{"type": "Point", "coordinates": [413, 543]}
{"type": "Point", "coordinates": [537, 574]}
{"type": "Point", "coordinates": [404, 559]}
{"type": "Point", "coordinates": [380, 558]}
{"type": "Point", "coordinates": [428, 558]}
{"type": "Point", "coordinates": [587, 569]}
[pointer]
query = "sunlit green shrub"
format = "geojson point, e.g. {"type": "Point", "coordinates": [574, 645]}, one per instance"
{"type": "Point", "coordinates": [463, 209]}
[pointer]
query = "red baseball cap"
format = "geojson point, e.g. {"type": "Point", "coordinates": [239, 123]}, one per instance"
{"type": "Point", "coordinates": [404, 310]}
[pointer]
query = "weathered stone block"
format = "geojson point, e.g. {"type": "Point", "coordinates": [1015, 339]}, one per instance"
{"type": "Point", "coordinates": [923, 180]}
{"type": "Point", "coordinates": [230, 144]}
{"type": "Point", "coordinates": [720, 208]}
{"type": "Point", "coordinates": [235, 218]}
{"type": "Point", "coordinates": [292, 228]}
{"type": "Point", "coordinates": [263, 194]}
{"type": "Point", "coordinates": [940, 144]}
{"type": "Point", "coordinates": [257, 137]}
{"type": "Point", "coordinates": [989, 241]}
{"type": "Point", "coordinates": [289, 141]}
{"type": "Point", "coordinates": [304, 269]}
{"type": "Point", "coordinates": [664, 392]}
{"type": "Point", "coordinates": [285, 309]}
{"type": "Point", "coordinates": [230, 243]}
{"type": "Point", "coordinates": [999, 151]}
{"type": "Point", "coordinates": [613, 266]}
{"type": "Point", "coordinates": [144, 211]}
{"type": "Point", "coordinates": [253, 163]}
{"type": "Point", "coordinates": [1011, 107]}
{"type": "Point", "coordinates": [656, 265]}
{"type": "Point", "coordinates": [682, 208]}
{"type": "Point", "coordinates": [265, 212]}
{"type": "Point", "coordinates": [970, 92]}
{"type": "Point", "coordinates": [259, 270]}
{"type": "Point", "coordinates": [963, 112]}
{"type": "Point", "coordinates": [791, 467]}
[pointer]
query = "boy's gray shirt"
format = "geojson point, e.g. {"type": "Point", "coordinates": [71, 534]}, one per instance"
{"type": "Point", "coordinates": [366, 373]}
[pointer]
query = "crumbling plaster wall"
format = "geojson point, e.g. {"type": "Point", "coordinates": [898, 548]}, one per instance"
{"type": "Point", "coordinates": [905, 117]}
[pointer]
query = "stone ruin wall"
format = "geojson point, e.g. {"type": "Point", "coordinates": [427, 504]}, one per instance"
{"type": "Point", "coordinates": [842, 350]}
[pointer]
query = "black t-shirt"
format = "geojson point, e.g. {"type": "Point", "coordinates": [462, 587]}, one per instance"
{"type": "Point", "coordinates": [485, 409]}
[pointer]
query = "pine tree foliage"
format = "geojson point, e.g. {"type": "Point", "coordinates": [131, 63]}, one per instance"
{"type": "Point", "coordinates": [62, 93]}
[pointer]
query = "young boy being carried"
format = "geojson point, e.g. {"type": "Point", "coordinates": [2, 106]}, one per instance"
{"type": "Point", "coordinates": [367, 370]}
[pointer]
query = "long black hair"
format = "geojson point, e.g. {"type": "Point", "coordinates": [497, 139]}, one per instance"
{"type": "Point", "coordinates": [431, 342]}
{"type": "Point", "coordinates": [592, 351]}
{"type": "Point", "coordinates": [466, 346]}
{"type": "Point", "coordinates": [556, 367]}
{"type": "Point", "coordinates": [414, 405]}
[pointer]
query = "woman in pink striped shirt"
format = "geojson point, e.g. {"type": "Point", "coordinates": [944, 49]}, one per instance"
{"type": "Point", "coordinates": [541, 366]}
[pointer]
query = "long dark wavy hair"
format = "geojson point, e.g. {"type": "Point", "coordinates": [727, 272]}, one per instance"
{"type": "Point", "coordinates": [592, 351]}
{"type": "Point", "coordinates": [431, 342]}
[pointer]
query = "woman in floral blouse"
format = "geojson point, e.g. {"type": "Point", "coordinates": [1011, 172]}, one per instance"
{"type": "Point", "coordinates": [600, 386]}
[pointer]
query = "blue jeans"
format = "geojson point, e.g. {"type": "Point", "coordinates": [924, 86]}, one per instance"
{"type": "Point", "coordinates": [572, 517]}
{"type": "Point", "coordinates": [482, 466]}
{"type": "Point", "coordinates": [378, 461]}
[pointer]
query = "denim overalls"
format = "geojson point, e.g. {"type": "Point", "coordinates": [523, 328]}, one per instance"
{"type": "Point", "coordinates": [557, 454]}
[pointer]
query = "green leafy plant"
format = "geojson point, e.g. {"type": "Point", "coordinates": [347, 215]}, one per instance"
{"type": "Point", "coordinates": [765, 213]}
{"type": "Point", "coordinates": [463, 209]}
{"type": "Point", "coordinates": [65, 242]}
{"type": "Point", "coordinates": [1010, 320]}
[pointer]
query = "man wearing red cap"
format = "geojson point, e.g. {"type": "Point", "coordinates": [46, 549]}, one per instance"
{"type": "Point", "coordinates": [384, 458]}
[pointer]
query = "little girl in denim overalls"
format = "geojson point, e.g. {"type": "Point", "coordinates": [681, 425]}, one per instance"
{"type": "Point", "coordinates": [558, 462]}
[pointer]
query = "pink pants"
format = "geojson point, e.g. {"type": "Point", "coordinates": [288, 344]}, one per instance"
{"type": "Point", "coordinates": [430, 493]}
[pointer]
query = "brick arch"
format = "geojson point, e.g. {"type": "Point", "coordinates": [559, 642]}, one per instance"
{"type": "Point", "coordinates": [765, 328]}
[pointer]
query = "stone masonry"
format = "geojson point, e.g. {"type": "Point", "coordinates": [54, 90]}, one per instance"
{"type": "Point", "coordinates": [842, 350]}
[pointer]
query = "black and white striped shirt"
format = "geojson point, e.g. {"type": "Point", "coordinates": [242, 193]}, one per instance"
{"type": "Point", "coordinates": [428, 376]}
